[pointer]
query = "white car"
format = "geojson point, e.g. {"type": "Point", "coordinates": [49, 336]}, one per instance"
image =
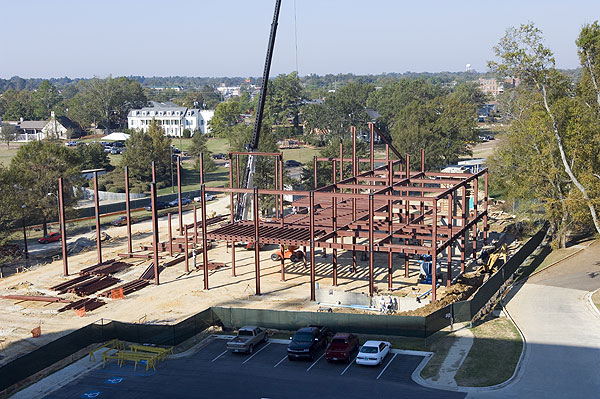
{"type": "Point", "coordinates": [209, 197]}
{"type": "Point", "coordinates": [372, 353]}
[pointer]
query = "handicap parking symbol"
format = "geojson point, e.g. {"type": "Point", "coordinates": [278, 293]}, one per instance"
{"type": "Point", "coordinates": [114, 380]}
{"type": "Point", "coordinates": [91, 394]}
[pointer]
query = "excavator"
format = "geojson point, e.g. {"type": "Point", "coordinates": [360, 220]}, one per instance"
{"type": "Point", "coordinates": [490, 260]}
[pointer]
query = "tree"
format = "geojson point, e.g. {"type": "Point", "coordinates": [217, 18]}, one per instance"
{"type": "Point", "coordinates": [226, 116]}
{"type": "Point", "coordinates": [284, 97]}
{"type": "Point", "coordinates": [566, 120]}
{"type": "Point", "coordinates": [92, 156]}
{"type": "Point", "coordinates": [44, 100]}
{"type": "Point", "coordinates": [17, 104]}
{"type": "Point", "coordinates": [198, 147]}
{"type": "Point", "coordinates": [106, 101]}
{"type": "Point", "coordinates": [143, 148]}
{"type": "Point", "coordinates": [36, 168]}
{"type": "Point", "coordinates": [8, 133]}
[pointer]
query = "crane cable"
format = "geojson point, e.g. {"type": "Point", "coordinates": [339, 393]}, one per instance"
{"type": "Point", "coordinates": [296, 38]}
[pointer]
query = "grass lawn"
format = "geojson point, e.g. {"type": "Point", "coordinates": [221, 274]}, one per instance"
{"type": "Point", "coordinates": [493, 356]}
{"type": "Point", "coordinates": [439, 344]}
{"type": "Point", "coordinates": [6, 154]}
{"type": "Point", "coordinates": [304, 155]}
{"type": "Point", "coordinates": [558, 254]}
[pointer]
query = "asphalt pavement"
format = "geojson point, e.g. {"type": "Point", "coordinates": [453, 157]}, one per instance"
{"type": "Point", "coordinates": [267, 373]}
{"type": "Point", "coordinates": [561, 329]}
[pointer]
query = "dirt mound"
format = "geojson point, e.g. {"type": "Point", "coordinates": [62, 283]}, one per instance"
{"type": "Point", "coordinates": [465, 286]}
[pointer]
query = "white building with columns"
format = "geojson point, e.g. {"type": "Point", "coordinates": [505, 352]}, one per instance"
{"type": "Point", "coordinates": [173, 118]}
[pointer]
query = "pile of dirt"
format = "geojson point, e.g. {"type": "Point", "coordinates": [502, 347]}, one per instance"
{"type": "Point", "coordinates": [465, 286]}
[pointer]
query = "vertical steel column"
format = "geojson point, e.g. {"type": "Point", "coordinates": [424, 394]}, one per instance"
{"type": "Point", "coordinates": [195, 226]}
{"type": "Point", "coordinates": [475, 200]}
{"type": "Point", "coordinates": [406, 258]}
{"type": "Point", "coordinates": [372, 150]}
{"type": "Point", "coordinates": [485, 208]}
{"type": "Point", "coordinates": [170, 235]}
{"type": "Point", "coordinates": [449, 248]}
{"type": "Point", "coordinates": [154, 231]}
{"type": "Point", "coordinates": [276, 185]}
{"type": "Point", "coordinates": [371, 279]}
{"type": "Point", "coordinates": [341, 161]}
{"type": "Point", "coordinates": [282, 249]}
{"type": "Point", "coordinates": [128, 211]}
{"type": "Point", "coordinates": [422, 204]}
{"type": "Point", "coordinates": [97, 209]}
{"type": "Point", "coordinates": [154, 172]}
{"type": "Point", "coordinates": [312, 245]}
{"type": "Point", "coordinates": [333, 171]}
{"type": "Point", "coordinates": [315, 171]}
{"type": "Point", "coordinates": [63, 225]}
{"type": "Point", "coordinates": [186, 249]}
{"type": "Point", "coordinates": [256, 242]}
{"type": "Point", "coordinates": [355, 168]}
{"type": "Point", "coordinates": [204, 240]}
{"type": "Point", "coordinates": [434, 253]}
{"type": "Point", "coordinates": [231, 207]}
{"type": "Point", "coordinates": [334, 225]}
{"type": "Point", "coordinates": [237, 173]}
{"type": "Point", "coordinates": [407, 202]}
{"type": "Point", "coordinates": [179, 195]}
{"type": "Point", "coordinates": [463, 238]}
{"type": "Point", "coordinates": [201, 167]}
{"type": "Point", "coordinates": [281, 188]}
{"type": "Point", "coordinates": [390, 217]}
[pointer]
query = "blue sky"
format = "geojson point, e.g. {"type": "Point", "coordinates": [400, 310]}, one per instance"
{"type": "Point", "coordinates": [85, 38]}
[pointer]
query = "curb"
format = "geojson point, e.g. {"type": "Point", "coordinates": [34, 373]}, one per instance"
{"type": "Point", "coordinates": [591, 302]}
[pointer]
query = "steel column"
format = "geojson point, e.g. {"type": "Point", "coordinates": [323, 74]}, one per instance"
{"type": "Point", "coordinates": [97, 209]}
{"type": "Point", "coordinates": [450, 224]}
{"type": "Point", "coordinates": [63, 225]}
{"type": "Point", "coordinates": [485, 208]}
{"type": "Point", "coordinates": [128, 211]}
{"type": "Point", "coordinates": [231, 207]}
{"type": "Point", "coordinates": [256, 242]}
{"type": "Point", "coordinates": [154, 232]}
{"type": "Point", "coordinates": [170, 235]}
{"type": "Point", "coordinates": [334, 256]}
{"type": "Point", "coordinates": [434, 253]}
{"type": "Point", "coordinates": [312, 246]}
{"type": "Point", "coordinates": [315, 171]}
{"type": "Point", "coordinates": [195, 226]}
{"type": "Point", "coordinates": [281, 187]}
{"type": "Point", "coordinates": [463, 239]}
{"type": "Point", "coordinates": [371, 277]}
{"type": "Point", "coordinates": [475, 200]}
{"type": "Point", "coordinates": [372, 150]}
{"type": "Point", "coordinates": [154, 172]}
{"type": "Point", "coordinates": [186, 249]}
{"type": "Point", "coordinates": [204, 240]}
{"type": "Point", "coordinates": [179, 206]}
{"type": "Point", "coordinates": [341, 161]}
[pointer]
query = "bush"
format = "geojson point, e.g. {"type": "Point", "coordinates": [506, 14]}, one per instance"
{"type": "Point", "coordinates": [137, 190]}
{"type": "Point", "coordinates": [187, 134]}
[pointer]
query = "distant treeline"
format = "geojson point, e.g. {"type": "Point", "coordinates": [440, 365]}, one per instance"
{"type": "Point", "coordinates": [311, 82]}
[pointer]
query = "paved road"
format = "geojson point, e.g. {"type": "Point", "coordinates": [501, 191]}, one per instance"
{"type": "Point", "coordinates": [562, 359]}
{"type": "Point", "coordinates": [214, 372]}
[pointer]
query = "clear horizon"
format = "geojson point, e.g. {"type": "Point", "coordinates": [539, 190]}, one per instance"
{"type": "Point", "coordinates": [68, 38]}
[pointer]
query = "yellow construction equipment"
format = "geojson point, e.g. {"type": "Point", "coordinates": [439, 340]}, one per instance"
{"type": "Point", "coordinates": [490, 260]}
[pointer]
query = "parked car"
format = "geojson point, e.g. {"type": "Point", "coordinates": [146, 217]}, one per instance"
{"type": "Point", "coordinates": [209, 197]}
{"type": "Point", "coordinates": [159, 205]}
{"type": "Point", "coordinates": [120, 221]}
{"type": "Point", "coordinates": [248, 337]}
{"type": "Point", "coordinates": [226, 165]}
{"type": "Point", "coordinates": [71, 144]}
{"type": "Point", "coordinates": [218, 156]}
{"type": "Point", "coordinates": [52, 237]}
{"type": "Point", "coordinates": [372, 353]}
{"type": "Point", "coordinates": [307, 341]}
{"type": "Point", "coordinates": [290, 163]}
{"type": "Point", "coordinates": [107, 149]}
{"type": "Point", "coordinates": [115, 151]}
{"type": "Point", "coordinates": [184, 201]}
{"type": "Point", "coordinates": [342, 347]}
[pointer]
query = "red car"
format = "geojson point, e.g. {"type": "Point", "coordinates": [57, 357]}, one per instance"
{"type": "Point", "coordinates": [52, 237]}
{"type": "Point", "coordinates": [341, 348]}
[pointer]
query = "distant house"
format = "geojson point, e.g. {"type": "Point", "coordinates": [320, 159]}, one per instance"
{"type": "Point", "coordinates": [58, 127]}
{"type": "Point", "coordinates": [490, 86]}
{"type": "Point", "coordinates": [173, 118]}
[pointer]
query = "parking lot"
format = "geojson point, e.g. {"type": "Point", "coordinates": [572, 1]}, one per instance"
{"type": "Point", "coordinates": [266, 373]}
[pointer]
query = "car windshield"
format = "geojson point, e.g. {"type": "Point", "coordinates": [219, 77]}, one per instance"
{"type": "Point", "coordinates": [368, 349]}
{"type": "Point", "coordinates": [303, 337]}
{"type": "Point", "coordinates": [245, 333]}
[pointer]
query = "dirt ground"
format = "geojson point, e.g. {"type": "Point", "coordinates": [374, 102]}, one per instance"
{"type": "Point", "coordinates": [180, 295]}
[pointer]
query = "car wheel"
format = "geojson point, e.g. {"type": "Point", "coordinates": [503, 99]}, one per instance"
{"type": "Point", "coordinates": [266, 338]}
{"type": "Point", "coordinates": [311, 356]}
{"type": "Point", "coordinates": [251, 349]}
{"type": "Point", "coordinates": [293, 258]}
{"type": "Point", "coordinates": [274, 257]}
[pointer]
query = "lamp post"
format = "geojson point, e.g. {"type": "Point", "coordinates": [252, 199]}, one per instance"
{"type": "Point", "coordinates": [24, 234]}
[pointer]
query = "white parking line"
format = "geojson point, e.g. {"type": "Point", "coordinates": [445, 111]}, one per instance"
{"type": "Point", "coordinates": [219, 356]}
{"type": "Point", "coordinates": [257, 352]}
{"type": "Point", "coordinates": [386, 366]}
{"type": "Point", "coordinates": [279, 362]}
{"type": "Point", "coordinates": [316, 361]}
{"type": "Point", "coordinates": [348, 366]}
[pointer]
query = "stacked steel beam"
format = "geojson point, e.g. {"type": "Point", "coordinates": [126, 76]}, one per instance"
{"type": "Point", "coordinates": [86, 303]}
{"type": "Point", "coordinates": [128, 288]}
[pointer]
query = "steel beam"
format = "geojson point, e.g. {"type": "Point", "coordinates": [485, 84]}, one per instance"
{"type": "Point", "coordinates": [63, 225]}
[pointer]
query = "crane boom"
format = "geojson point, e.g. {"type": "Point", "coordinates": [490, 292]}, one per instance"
{"type": "Point", "coordinates": [248, 182]}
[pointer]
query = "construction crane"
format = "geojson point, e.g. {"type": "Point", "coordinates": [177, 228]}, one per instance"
{"type": "Point", "coordinates": [244, 203]}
